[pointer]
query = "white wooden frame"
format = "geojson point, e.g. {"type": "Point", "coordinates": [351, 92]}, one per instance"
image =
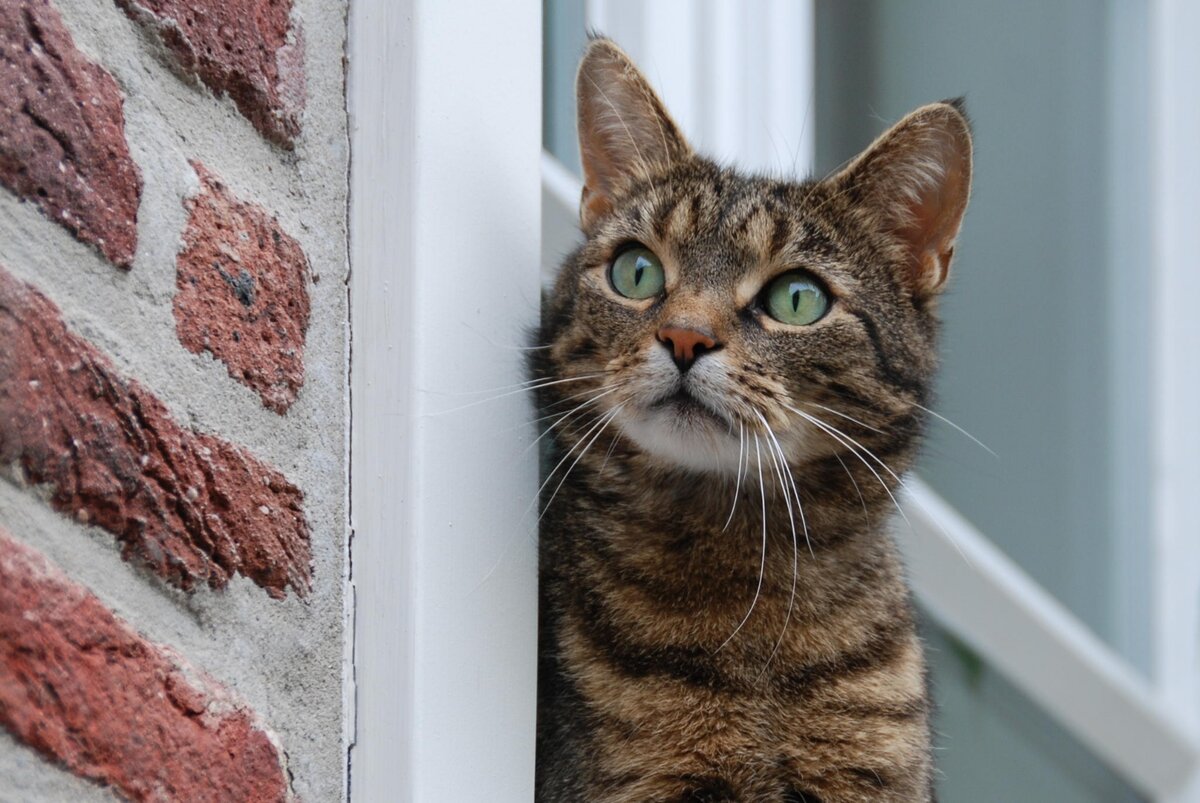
{"type": "Point", "coordinates": [714, 46]}
{"type": "Point", "coordinates": [445, 109]}
{"type": "Point", "coordinates": [986, 600]}
{"type": "Point", "coordinates": [1176, 349]}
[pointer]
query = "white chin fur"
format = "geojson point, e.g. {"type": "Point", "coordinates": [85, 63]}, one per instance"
{"type": "Point", "coordinates": [691, 442]}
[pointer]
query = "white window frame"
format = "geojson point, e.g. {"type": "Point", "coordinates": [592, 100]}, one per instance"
{"type": "Point", "coordinates": [1176, 252]}
{"type": "Point", "coordinates": [714, 46]}
{"type": "Point", "coordinates": [445, 141]}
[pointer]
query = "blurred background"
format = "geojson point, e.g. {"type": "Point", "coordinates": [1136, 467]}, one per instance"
{"type": "Point", "coordinates": [1054, 350]}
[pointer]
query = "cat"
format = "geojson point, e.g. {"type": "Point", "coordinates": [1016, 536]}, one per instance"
{"type": "Point", "coordinates": [733, 371]}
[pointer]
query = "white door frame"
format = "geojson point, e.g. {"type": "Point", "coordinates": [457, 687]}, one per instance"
{"type": "Point", "coordinates": [445, 120]}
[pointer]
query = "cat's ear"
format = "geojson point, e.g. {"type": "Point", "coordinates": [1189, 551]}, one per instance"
{"type": "Point", "coordinates": [625, 132]}
{"type": "Point", "coordinates": [913, 183]}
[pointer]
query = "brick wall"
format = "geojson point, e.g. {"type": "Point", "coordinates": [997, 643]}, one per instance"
{"type": "Point", "coordinates": [173, 354]}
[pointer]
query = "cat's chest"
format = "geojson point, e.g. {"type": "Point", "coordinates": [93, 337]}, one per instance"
{"type": "Point", "coordinates": [659, 738]}
{"type": "Point", "coordinates": [660, 728]}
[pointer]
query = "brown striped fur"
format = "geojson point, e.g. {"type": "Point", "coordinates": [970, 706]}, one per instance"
{"type": "Point", "coordinates": [820, 694]}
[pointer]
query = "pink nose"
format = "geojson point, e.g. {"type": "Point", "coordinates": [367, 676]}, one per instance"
{"type": "Point", "coordinates": [686, 345]}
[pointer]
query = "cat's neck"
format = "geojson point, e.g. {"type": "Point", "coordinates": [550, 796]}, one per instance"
{"type": "Point", "coordinates": [680, 551]}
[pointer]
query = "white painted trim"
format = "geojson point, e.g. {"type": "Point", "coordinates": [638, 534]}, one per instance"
{"type": "Point", "coordinates": [563, 186]}
{"type": "Point", "coordinates": [986, 600]}
{"type": "Point", "coordinates": [726, 88]}
{"type": "Point", "coordinates": [1176, 350]}
{"type": "Point", "coordinates": [791, 89]}
{"type": "Point", "coordinates": [737, 75]}
{"type": "Point", "coordinates": [560, 215]}
{"type": "Point", "coordinates": [444, 233]}
{"type": "Point", "coordinates": [673, 70]}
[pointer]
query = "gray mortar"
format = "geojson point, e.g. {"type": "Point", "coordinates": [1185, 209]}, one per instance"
{"type": "Point", "coordinates": [285, 658]}
{"type": "Point", "coordinates": [27, 779]}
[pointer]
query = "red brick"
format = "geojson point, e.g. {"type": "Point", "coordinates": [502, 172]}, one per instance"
{"type": "Point", "coordinates": [62, 132]}
{"type": "Point", "coordinates": [189, 506]}
{"type": "Point", "coordinates": [238, 48]}
{"type": "Point", "coordinates": [81, 687]}
{"type": "Point", "coordinates": [242, 292]}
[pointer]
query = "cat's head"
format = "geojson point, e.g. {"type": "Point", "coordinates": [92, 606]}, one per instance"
{"type": "Point", "coordinates": [711, 312]}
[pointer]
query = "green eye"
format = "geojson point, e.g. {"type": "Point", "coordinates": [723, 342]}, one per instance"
{"type": "Point", "coordinates": [795, 298]}
{"type": "Point", "coordinates": [637, 273]}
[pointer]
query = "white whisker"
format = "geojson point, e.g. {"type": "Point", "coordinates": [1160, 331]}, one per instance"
{"type": "Point", "coordinates": [780, 460]}
{"type": "Point", "coordinates": [865, 450]}
{"type": "Point", "coordinates": [532, 502]}
{"type": "Point", "coordinates": [850, 474]}
{"type": "Point", "coordinates": [564, 417]}
{"type": "Point", "coordinates": [846, 441]}
{"type": "Point", "coordinates": [792, 481]}
{"type": "Point", "coordinates": [523, 384]}
{"type": "Point", "coordinates": [599, 420]}
{"type": "Point", "coordinates": [737, 487]}
{"type": "Point", "coordinates": [847, 417]}
{"type": "Point", "coordinates": [557, 414]}
{"type": "Point", "coordinates": [609, 453]}
{"type": "Point", "coordinates": [941, 417]}
{"type": "Point", "coordinates": [487, 338]}
{"type": "Point", "coordinates": [525, 389]}
{"type": "Point", "coordinates": [762, 567]}
{"type": "Point", "coordinates": [605, 420]}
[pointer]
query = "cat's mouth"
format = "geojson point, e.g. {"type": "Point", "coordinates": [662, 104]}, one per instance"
{"type": "Point", "coordinates": [683, 429]}
{"type": "Point", "coordinates": [687, 406]}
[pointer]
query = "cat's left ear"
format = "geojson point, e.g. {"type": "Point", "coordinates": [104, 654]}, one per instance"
{"type": "Point", "coordinates": [625, 132]}
{"type": "Point", "coordinates": [913, 183]}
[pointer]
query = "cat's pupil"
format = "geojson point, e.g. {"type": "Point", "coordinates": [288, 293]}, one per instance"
{"type": "Point", "coordinates": [795, 300]}
{"type": "Point", "coordinates": [641, 268]}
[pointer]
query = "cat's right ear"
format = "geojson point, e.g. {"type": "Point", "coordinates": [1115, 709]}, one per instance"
{"type": "Point", "coordinates": [625, 132]}
{"type": "Point", "coordinates": [913, 183]}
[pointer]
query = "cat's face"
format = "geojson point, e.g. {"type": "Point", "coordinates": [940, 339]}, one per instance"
{"type": "Point", "coordinates": [720, 320]}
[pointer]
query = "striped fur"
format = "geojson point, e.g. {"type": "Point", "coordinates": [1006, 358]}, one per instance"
{"type": "Point", "coordinates": [654, 683]}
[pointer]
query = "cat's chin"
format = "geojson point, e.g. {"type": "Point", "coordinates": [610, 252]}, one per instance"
{"type": "Point", "coordinates": [694, 441]}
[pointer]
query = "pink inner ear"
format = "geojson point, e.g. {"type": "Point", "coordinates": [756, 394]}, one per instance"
{"type": "Point", "coordinates": [624, 130]}
{"type": "Point", "coordinates": [933, 222]}
{"type": "Point", "coordinates": [914, 182]}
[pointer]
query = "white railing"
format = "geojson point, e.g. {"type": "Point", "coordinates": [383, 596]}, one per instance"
{"type": "Point", "coordinates": [981, 596]}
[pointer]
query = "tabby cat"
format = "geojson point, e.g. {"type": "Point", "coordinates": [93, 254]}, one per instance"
{"type": "Point", "coordinates": [733, 370]}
